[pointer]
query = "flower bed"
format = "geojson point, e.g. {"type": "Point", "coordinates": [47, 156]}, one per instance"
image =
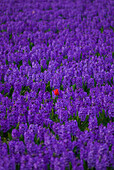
{"type": "Point", "coordinates": [56, 85]}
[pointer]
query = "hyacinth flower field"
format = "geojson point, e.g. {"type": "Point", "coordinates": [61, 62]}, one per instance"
{"type": "Point", "coordinates": [56, 85]}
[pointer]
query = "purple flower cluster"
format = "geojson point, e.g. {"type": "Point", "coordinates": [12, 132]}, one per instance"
{"type": "Point", "coordinates": [65, 45]}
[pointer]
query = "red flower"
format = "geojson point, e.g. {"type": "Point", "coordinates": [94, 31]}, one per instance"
{"type": "Point", "coordinates": [56, 92]}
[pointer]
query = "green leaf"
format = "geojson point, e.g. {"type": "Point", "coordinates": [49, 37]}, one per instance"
{"type": "Point", "coordinates": [78, 120]}
{"type": "Point", "coordinates": [17, 166]}
{"type": "Point", "coordinates": [83, 125]}
{"type": "Point", "coordinates": [51, 130]}
{"type": "Point", "coordinates": [70, 118]}
{"type": "Point", "coordinates": [8, 148]}
{"type": "Point", "coordinates": [76, 152]}
{"type": "Point", "coordinates": [31, 45]}
{"type": "Point", "coordinates": [42, 69]}
{"type": "Point", "coordinates": [57, 31]}
{"type": "Point", "coordinates": [95, 82]}
{"type": "Point", "coordinates": [85, 88]}
{"type": "Point", "coordinates": [85, 165]}
{"type": "Point", "coordinates": [74, 87]}
{"type": "Point", "coordinates": [57, 137]}
{"type": "Point", "coordinates": [10, 36]}
{"type": "Point", "coordinates": [28, 39]}
{"type": "Point", "coordinates": [11, 92]}
{"type": "Point", "coordinates": [65, 57]}
{"type": "Point", "coordinates": [38, 141]}
{"type": "Point", "coordinates": [24, 89]}
{"type": "Point", "coordinates": [97, 54]}
{"type": "Point", "coordinates": [29, 62]}
{"type": "Point", "coordinates": [70, 165]}
{"type": "Point", "coordinates": [38, 90]}
{"type": "Point", "coordinates": [35, 138]}
{"type": "Point", "coordinates": [103, 119]}
{"type": "Point", "coordinates": [47, 30]}
{"type": "Point", "coordinates": [102, 29]}
{"type": "Point", "coordinates": [48, 88]}
{"type": "Point", "coordinates": [2, 79]}
{"type": "Point", "coordinates": [110, 147]}
{"type": "Point", "coordinates": [9, 136]}
{"type": "Point", "coordinates": [47, 62]}
{"type": "Point", "coordinates": [110, 82]}
{"type": "Point", "coordinates": [3, 30]}
{"type": "Point", "coordinates": [6, 135]}
{"type": "Point", "coordinates": [6, 62]}
{"type": "Point", "coordinates": [109, 168]}
{"type": "Point", "coordinates": [48, 167]}
{"type": "Point", "coordinates": [54, 116]}
{"type": "Point", "coordinates": [81, 56]}
{"type": "Point", "coordinates": [6, 94]}
{"type": "Point", "coordinates": [71, 98]}
{"type": "Point", "coordinates": [54, 154]}
{"type": "Point", "coordinates": [20, 64]}
{"type": "Point", "coordinates": [61, 87]}
{"type": "Point", "coordinates": [21, 138]}
{"type": "Point", "coordinates": [112, 28]}
{"type": "Point", "coordinates": [17, 127]}
{"type": "Point", "coordinates": [25, 151]}
{"type": "Point", "coordinates": [55, 100]}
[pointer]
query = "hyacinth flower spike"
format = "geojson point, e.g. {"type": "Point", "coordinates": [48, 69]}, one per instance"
{"type": "Point", "coordinates": [56, 92]}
